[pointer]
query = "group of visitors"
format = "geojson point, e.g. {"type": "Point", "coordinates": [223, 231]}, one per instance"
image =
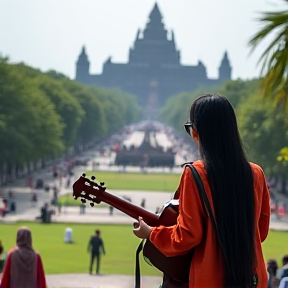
{"type": "Point", "coordinates": [8, 205]}
{"type": "Point", "coordinates": [278, 277]}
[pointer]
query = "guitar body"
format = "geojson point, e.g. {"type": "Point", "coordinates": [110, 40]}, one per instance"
{"type": "Point", "coordinates": [176, 267]}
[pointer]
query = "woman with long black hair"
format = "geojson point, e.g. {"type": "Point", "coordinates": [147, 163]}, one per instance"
{"type": "Point", "coordinates": [239, 197]}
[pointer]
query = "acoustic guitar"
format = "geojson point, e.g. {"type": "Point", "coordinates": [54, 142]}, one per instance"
{"type": "Point", "coordinates": [176, 267]}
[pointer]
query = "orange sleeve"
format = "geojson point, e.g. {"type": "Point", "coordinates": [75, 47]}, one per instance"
{"type": "Point", "coordinates": [41, 281]}
{"type": "Point", "coordinates": [264, 219]}
{"type": "Point", "coordinates": [6, 277]}
{"type": "Point", "coordinates": [187, 233]}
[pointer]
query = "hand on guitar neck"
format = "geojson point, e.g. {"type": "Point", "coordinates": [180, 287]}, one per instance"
{"type": "Point", "coordinates": [141, 229]}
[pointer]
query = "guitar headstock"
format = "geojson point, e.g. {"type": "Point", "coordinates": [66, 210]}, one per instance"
{"type": "Point", "coordinates": [87, 189]}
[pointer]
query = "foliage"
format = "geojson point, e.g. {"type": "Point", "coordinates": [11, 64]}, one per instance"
{"type": "Point", "coordinates": [264, 132]}
{"type": "Point", "coordinates": [44, 114]}
{"type": "Point", "coordinates": [237, 90]}
{"type": "Point", "coordinates": [283, 155]}
{"type": "Point", "coordinates": [93, 122]}
{"type": "Point", "coordinates": [259, 123]}
{"type": "Point", "coordinates": [176, 110]}
{"type": "Point", "coordinates": [274, 59]}
{"type": "Point", "coordinates": [26, 115]}
{"type": "Point", "coordinates": [67, 107]}
{"type": "Point", "coordinates": [119, 108]}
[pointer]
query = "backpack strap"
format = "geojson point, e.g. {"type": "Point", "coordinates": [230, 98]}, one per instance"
{"type": "Point", "coordinates": [137, 266]}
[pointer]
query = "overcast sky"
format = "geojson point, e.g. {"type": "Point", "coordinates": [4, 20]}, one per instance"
{"type": "Point", "coordinates": [49, 34]}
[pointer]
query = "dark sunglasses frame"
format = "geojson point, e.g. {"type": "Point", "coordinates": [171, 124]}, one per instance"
{"type": "Point", "coordinates": [188, 127]}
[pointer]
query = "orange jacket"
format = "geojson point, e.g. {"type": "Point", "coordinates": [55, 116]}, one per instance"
{"type": "Point", "coordinates": [207, 265]}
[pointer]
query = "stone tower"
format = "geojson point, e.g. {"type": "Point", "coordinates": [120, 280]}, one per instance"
{"type": "Point", "coordinates": [225, 69]}
{"type": "Point", "coordinates": [82, 67]}
{"type": "Point", "coordinates": [154, 48]}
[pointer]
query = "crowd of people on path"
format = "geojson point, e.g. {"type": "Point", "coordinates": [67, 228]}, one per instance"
{"type": "Point", "coordinates": [8, 205]}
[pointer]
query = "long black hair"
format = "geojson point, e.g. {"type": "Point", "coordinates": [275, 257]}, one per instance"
{"type": "Point", "coordinates": [231, 182]}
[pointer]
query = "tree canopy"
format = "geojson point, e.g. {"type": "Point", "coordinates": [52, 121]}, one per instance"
{"type": "Point", "coordinates": [45, 114]}
{"type": "Point", "coordinates": [263, 130]}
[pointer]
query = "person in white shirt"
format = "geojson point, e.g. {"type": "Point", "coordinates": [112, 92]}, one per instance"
{"type": "Point", "coordinates": [68, 235]}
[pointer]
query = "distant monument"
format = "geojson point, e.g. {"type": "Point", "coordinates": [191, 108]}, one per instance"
{"type": "Point", "coordinates": [148, 154]}
{"type": "Point", "coordinates": [154, 72]}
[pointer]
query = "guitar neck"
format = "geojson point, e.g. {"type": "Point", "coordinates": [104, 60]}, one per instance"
{"type": "Point", "coordinates": [130, 209]}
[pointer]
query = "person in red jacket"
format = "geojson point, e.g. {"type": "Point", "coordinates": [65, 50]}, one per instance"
{"type": "Point", "coordinates": [239, 198]}
{"type": "Point", "coordinates": [23, 267]}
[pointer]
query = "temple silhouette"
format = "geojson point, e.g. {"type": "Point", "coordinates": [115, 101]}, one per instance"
{"type": "Point", "coordinates": [154, 71]}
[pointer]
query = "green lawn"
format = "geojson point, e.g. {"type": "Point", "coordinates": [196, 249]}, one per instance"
{"type": "Point", "coordinates": [120, 244]}
{"type": "Point", "coordinates": [58, 257]}
{"type": "Point", "coordinates": [137, 181]}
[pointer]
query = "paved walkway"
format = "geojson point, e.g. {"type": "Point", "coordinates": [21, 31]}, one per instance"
{"type": "Point", "coordinates": [101, 215]}
{"type": "Point", "coordinates": [100, 281]}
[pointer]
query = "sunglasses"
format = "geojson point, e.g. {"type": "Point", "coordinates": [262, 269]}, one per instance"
{"type": "Point", "coordinates": [188, 127]}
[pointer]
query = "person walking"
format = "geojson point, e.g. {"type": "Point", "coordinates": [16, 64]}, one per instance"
{"type": "Point", "coordinates": [23, 267]}
{"type": "Point", "coordinates": [96, 248]}
{"type": "Point", "coordinates": [239, 198]}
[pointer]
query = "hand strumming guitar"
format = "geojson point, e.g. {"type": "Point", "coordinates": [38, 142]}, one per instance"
{"type": "Point", "coordinates": [141, 229]}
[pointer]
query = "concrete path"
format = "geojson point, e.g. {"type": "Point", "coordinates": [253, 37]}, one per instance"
{"type": "Point", "coordinates": [100, 281]}
{"type": "Point", "coordinates": [101, 215]}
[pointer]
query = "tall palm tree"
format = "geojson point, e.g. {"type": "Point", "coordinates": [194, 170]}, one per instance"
{"type": "Point", "coordinates": [274, 59]}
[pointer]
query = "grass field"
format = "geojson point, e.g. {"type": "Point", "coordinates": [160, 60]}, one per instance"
{"type": "Point", "coordinates": [120, 244]}
{"type": "Point", "coordinates": [137, 181]}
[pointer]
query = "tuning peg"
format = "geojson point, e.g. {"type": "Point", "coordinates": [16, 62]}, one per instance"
{"type": "Point", "coordinates": [83, 175]}
{"type": "Point", "coordinates": [93, 178]}
{"type": "Point", "coordinates": [83, 201]}
{"type": "Point", "coordinates": [92, 204]}
{"type": "Point", "coordinates": [102, 183]}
